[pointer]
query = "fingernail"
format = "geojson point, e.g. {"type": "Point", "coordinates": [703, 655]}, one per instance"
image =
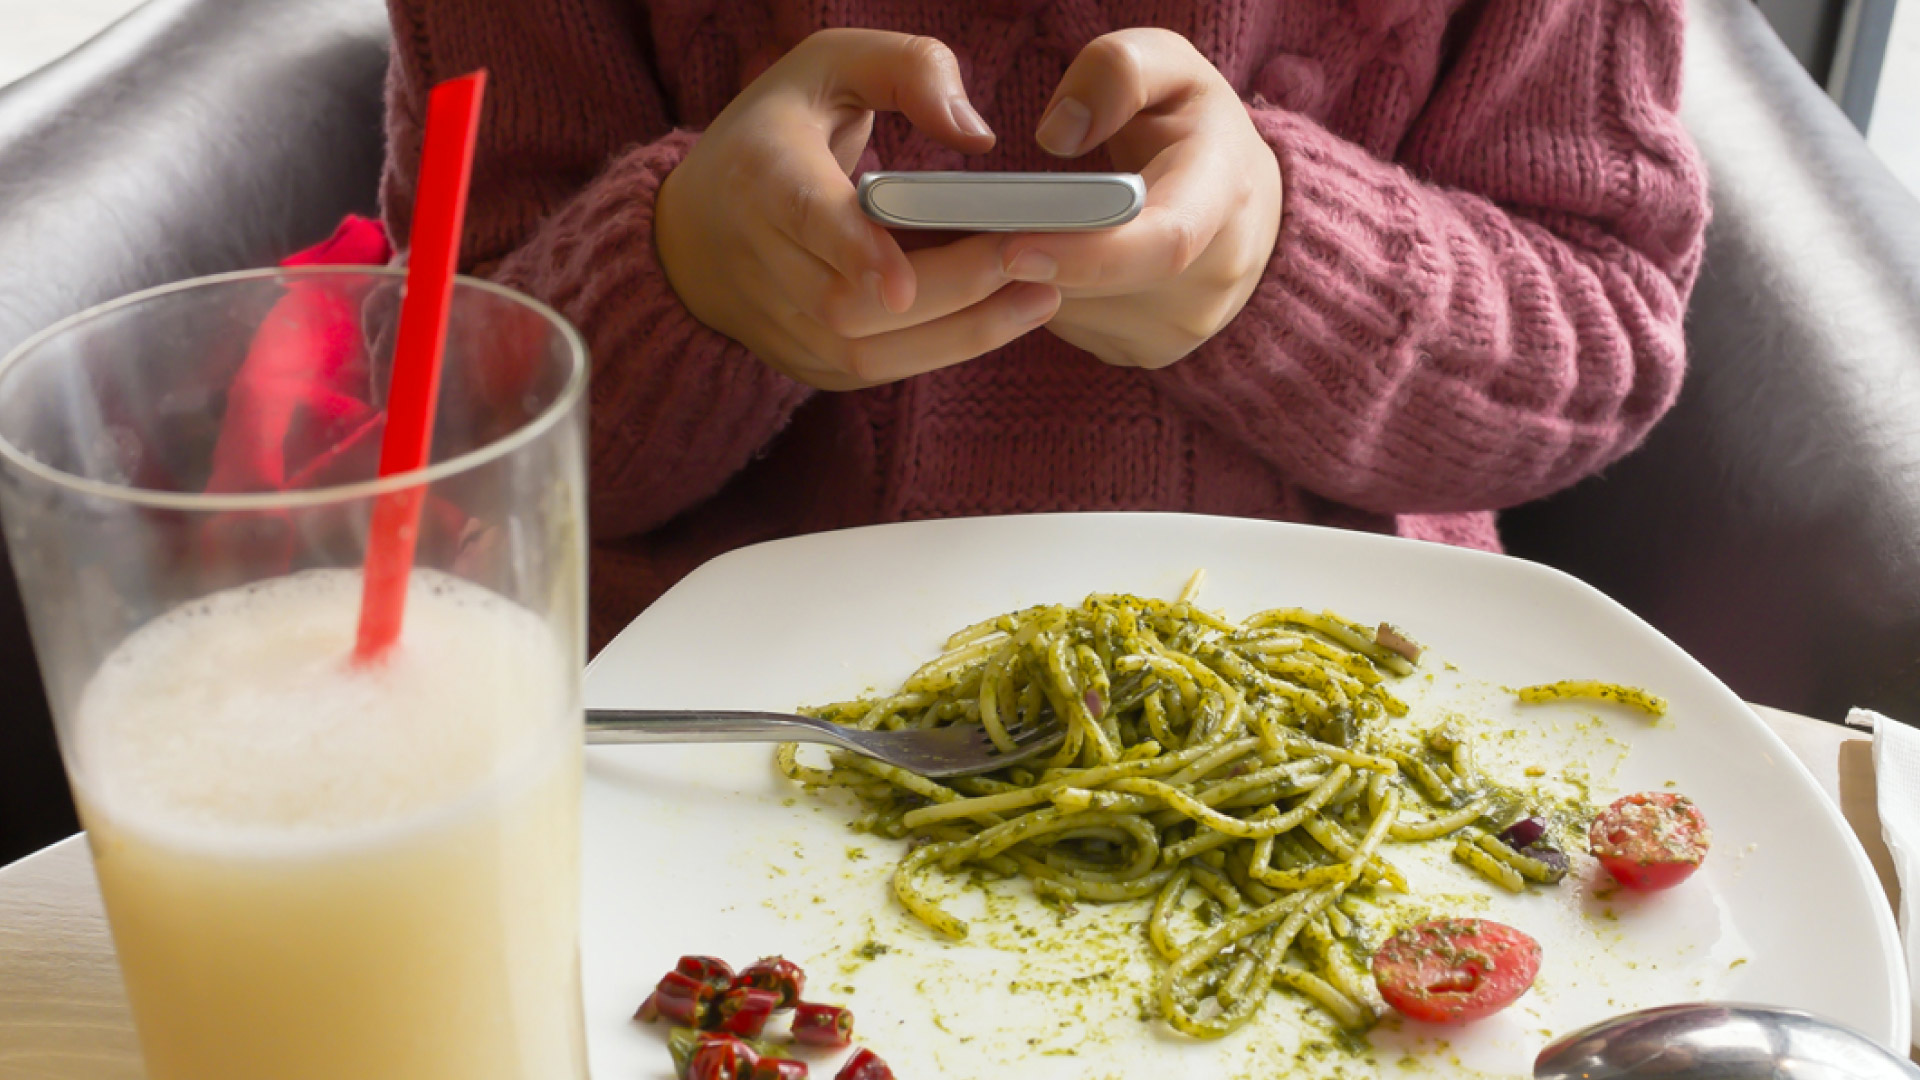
{"type": "Point", "coordinates": [875, 284]}
{"type": "Point", "coordinates": [1031, 265]}
{"type": "Point", "coordinates": [1037, 304]}
{"type": "Point", "coordinates": [1064, 128]}
{"type": "Point", "coordinates": [966, 119]}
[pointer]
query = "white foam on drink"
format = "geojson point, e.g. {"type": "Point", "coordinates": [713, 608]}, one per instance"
{"type": "Point", "coordinates": [239, 719]}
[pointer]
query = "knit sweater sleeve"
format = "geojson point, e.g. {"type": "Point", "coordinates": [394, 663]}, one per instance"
{"type": "Point", "coordinates": [576, 139]}
{"type": "Point", "coordinates": [1498, 313]}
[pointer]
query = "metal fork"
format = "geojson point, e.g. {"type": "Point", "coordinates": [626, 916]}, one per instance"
{"type": "Point", "coordinates": [954, 750]}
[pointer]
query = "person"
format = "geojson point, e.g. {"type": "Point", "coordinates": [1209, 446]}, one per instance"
{"type": "Point", "coordinates": [1402, 263]}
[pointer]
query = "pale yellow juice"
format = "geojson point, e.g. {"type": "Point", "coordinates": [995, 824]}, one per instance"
{"type": "Point", "coordinates": [313, 871]}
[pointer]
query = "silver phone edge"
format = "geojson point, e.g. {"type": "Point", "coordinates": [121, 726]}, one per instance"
{"type": "Point", "coordinates": [1130, 180]}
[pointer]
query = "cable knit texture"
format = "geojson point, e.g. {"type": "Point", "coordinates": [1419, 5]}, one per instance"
{"type": "Point", "coordinates": [1492, 221]}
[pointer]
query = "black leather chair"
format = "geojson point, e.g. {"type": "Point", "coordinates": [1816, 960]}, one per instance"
{"type": "Point", "coordinates": [1771, 525]}
{"type": "Point", "coordinates": [191, 137]}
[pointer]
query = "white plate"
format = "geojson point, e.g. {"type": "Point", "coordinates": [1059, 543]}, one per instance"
{"type": "Point", "coordinates": [709, 850]}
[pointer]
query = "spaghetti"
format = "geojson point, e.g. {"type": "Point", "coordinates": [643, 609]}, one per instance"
{"type": "Point", "coordinates": [1247, 763]}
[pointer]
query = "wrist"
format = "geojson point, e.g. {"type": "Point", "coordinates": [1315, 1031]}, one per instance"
{"type": "Point", "coordinates": [1272, 201]}
{"type": "Point", "coordinates": [670, 245]}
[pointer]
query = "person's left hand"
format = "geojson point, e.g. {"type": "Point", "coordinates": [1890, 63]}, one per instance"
{"type": "Point", "coordinates": [1153, 290]}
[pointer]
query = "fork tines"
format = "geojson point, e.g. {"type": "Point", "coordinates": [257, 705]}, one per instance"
{"type": "Point", "coordinates": [1025, 735]}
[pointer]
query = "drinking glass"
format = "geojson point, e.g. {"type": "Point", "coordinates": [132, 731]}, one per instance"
{"type": "Point", "coordinates": [312, 866]}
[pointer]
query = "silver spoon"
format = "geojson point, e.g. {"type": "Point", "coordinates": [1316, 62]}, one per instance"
{"type": "Point", "coordinates": [1719, 1041]}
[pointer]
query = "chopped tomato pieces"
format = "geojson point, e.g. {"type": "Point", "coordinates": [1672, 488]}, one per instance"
{"type": "Point", "coordinates": [822, 1025]}
{"type": "Point", "coordinates": [721, 1057]}
{"type": "Point", "coordinates": [775, 973]}
{"type": "Point", "coordinates": [864, 1065]}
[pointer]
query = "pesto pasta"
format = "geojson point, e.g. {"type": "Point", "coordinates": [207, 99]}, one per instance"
{"type": "Point", "coordinates": [1593, 690]}
{"type": "Point", "coordinates": [1244, 765]}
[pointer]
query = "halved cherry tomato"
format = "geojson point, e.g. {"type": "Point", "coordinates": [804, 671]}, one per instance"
{"type": "Point", "coordinates": [1653, 840]}
{"type": "Point", "coordinates": [1451, 971]}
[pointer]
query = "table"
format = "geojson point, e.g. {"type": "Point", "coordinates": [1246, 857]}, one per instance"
{"type": "Point", "coordinates": [63, 1014]}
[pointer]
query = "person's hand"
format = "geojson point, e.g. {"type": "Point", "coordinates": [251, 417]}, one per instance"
{"type": "Point", "coordinates": [1153, 290]}
{"type": "Point", "coordinates": [761, 234]}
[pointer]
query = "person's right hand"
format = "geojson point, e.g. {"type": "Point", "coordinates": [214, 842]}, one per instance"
{"type": "Point", "coordinates": [762, 236]}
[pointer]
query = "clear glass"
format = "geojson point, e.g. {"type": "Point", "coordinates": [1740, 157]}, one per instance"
{"type": "Point", "coordinates": [313, 868]}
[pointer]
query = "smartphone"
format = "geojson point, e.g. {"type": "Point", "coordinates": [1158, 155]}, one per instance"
{"type": "Point", "coordinates": [1002, 201]}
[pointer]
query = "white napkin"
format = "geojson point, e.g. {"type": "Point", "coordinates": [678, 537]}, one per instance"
{"type": "Point", "coordinates": [1896, 771]}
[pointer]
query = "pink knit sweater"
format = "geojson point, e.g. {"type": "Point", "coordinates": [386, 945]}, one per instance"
{"type": "Point", "coordinates": [1492, 221]}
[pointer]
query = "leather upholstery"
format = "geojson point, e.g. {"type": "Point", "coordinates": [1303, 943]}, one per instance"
{"type": "Point", "coordinates": [1771, 525]}
{"type": "Point", "coordinates": [192, 137]}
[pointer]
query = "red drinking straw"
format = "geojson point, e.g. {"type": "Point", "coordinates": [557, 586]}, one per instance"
{"type": "Point", "coordinates": [440, 209]}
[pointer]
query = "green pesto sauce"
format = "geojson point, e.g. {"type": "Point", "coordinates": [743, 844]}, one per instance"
{"type": "Point", "coordinates": [1111, 970]}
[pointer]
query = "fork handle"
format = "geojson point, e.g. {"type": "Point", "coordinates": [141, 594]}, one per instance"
{"type": "Point", "coordinates": [702, 726]}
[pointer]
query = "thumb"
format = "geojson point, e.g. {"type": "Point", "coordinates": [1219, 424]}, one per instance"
{"type": "Point", "coordinates": [913, 75]}
{"type": "Point", "coordinates": [1115, 78]}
